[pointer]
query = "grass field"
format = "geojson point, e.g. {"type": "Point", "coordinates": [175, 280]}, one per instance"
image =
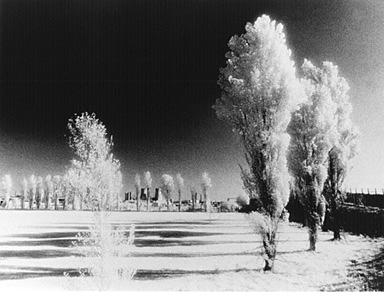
{"type": "Point", "coordinates": [182, 251]}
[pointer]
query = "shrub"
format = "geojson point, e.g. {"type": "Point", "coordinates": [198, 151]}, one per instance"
{"type": "Point", "coordinates": [108, 250]}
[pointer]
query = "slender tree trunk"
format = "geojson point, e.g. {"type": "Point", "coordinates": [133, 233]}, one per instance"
{"type": "Point", "coordinates": [269, 244]}
{"type": "Point", "coordinates": [168, 204]}
{"type": "Point", "coordinates": [336, 224]}
{"type": "Point", "coordinates": [31, 198]}
{"type": "Point", "coordinates": [48, 201]}
{"type": "Point", "coordinates": [193, 202]}
{"type": "Point", "coordinates": [65, 202]}
{"type": "Point", "coordinates": [22, 202]}
{"type": "Point", "coordinates": [137, 200]}
{"type": "Point", "coordinates": [179, 200]}
{"type": "Point", "coordinates": [55, 197]}
{"type": "Point", "coordinates": [312, 225]}
{"type": "Point", "coordinates": [148, 200]}
{"type": "Point", "coordinates": [81, 202]}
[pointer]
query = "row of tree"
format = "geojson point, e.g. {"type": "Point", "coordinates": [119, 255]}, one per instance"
{"type": "Point", "coordinates": [93, 177]}
{"type": "Point", "coordinates": [169, 185]}
{"type": "Point", "coordinates": [297, 132]}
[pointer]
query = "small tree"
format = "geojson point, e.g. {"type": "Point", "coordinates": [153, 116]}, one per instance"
{"type": "Point", "coordinates": [138, 189]}
{"type": "Point", "coordinates": [32, 191]}
{"type": "Point", "coordinates": [40, 192]}
{"type": "Point", "coordinates": [7, 188]}
{"type": "Point", "coordinates": [313, 132]}
{"type": "Point", "coordinates": [167, 187]}
{"type": "Point", "coordinates": [179, 185]}
{"type": "Point", "coordinates": [192, 188]}
{"type": "Point", "coordinates": [56, 190]}
{"type": "Point", "coordinates": [205, 185]}
{"type": "Point", "coordinates": [259, 92]}
{"type": "Point", "coordinates": [148, 185]}
{"type": "Point", "coordinates": [95, 161]}
{"type": "Point", "coordinates": [24, 193]}
{"type": "Point", "coordinates": [49, 183]}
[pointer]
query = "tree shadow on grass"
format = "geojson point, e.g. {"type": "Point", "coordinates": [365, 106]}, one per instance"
{"type": "Point", "coordinates": [25, 272]}
{"type": "Point", "coordinates": [195, 255]}
{"type": "Point", "coordinates": [54, 242]}
{"type": "Point", "coordinates": [46, 235]}
{"type": "Point", "coordinates": [372, 271]}
{"type": "Point", "coordinates": [166, 274]}
{"type": "Point", "coordinates": [37, 254]}
{"type": "Point", "coordinates": [174, 233]}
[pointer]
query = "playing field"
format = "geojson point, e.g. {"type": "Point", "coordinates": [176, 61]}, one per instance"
{"type": "Point", "coordinates": [177, 251]}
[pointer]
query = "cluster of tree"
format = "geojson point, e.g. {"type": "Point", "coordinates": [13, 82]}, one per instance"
{"type": "Point", "coordinates": [40, 192]}
{"type": "Point", "coordinates": [169, 185]}
{"type": "Point", "coordinates": [296, 132]}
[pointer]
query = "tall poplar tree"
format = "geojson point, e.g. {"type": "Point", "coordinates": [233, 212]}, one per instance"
{"type": "Point", "coordinates": [313, 134]}
{"type": "Point", "coordinates": [259, 92]}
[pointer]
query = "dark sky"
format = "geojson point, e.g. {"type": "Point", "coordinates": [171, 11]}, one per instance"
{"type": "Point", "coordinates": [148, 69]}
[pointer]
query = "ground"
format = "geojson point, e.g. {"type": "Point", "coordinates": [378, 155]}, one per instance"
{"type": "Point", "coordinates": [182, 251]}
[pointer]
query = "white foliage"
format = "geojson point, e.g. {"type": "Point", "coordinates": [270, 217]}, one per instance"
{"type": "Point", "coordinates": [147, 179]}
{"type": "Point", "coordinates": [167, 185]}
{"type": "Point", "coordinates": [259, 92]}
{"type": "Point", "coordinates": [179, 181]}
{"type": "Point", "coordinates": [95, 170]}
{"type": "Point", "coordinates": [137, 183]}
{"type": "Point", "coordinates": [206, 182]}
{"type": "Point", "coordinates": [313, 128]}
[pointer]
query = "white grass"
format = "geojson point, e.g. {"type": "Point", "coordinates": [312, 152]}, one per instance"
{"type": "Point", "coordinates": [221, 254]}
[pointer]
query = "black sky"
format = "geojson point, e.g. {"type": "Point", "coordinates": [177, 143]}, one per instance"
{"type": "Point", "coordinates": [147, 68]}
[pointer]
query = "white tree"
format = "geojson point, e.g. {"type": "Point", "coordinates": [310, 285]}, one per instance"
{"type": "Point", "coordinates": [117, 187]}
{"type": "Point", "coordinates": [148, 185]}
{"type": "Point", "coordinates": [192, 189]}
{"type": "Point", "coordinates": [259, 92]}
{"type": "Point", "coordinates": [313, 133]}
{"type": "Point", "coordinates": [180, 186]}
{"type": "Point", "coordinates": [345, 146]}
{"type": "Point", "coordinates": [93, 149]}
{"type": "Point", "coordinates": [78, 181]}
{"type": "Point", "coordinates": [206, 183]}
{"type": "Point", "coordinates": [40, 192]}
{"type": "Point", "coordinates": [24, 193]}
{"type": "Point", "coordinates": [32, 192]}
{"type": "Point", "coordinates": [7, 188]}
{"type": "Point", "coordinates": [49, 183]}
{"type": "Point", "coordinates": [167, 187]}
{"type": "Point", "coordinates": [138, 189]}
{"type": "Point", "coordinates": [57, 190]}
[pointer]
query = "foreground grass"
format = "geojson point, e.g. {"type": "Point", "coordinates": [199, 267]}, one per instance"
{"type": "Point", "coordinates": [182, 251]}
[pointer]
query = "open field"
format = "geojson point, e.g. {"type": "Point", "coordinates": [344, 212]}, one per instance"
{"type": "Point", "coordinates": [181, 251]}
